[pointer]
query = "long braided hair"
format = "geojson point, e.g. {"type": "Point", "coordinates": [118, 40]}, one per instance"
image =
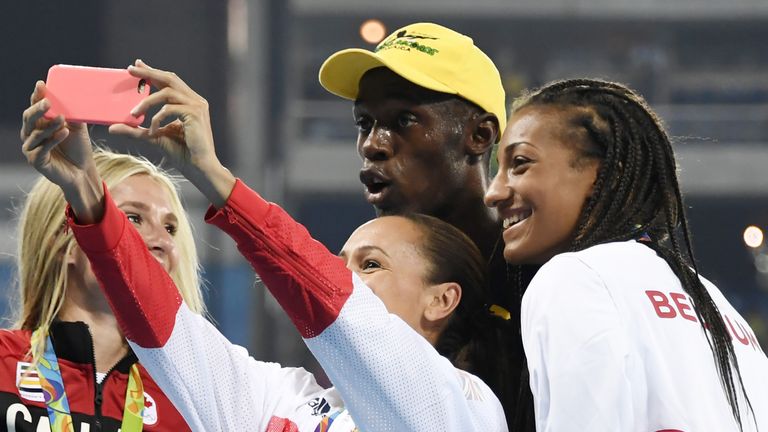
{"type": "Point", "coordinates": [636, 194]}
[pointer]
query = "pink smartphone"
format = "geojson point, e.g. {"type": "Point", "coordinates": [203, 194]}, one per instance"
{"type": "Point", "coordinates": [94, 95]}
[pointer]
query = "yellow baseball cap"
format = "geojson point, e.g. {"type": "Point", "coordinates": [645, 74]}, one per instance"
{"type": "Point", "coordinates": [428, 55]}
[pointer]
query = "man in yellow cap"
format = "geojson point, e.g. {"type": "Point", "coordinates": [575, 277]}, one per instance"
{"type": "Point", "coordinates": [429, 106]}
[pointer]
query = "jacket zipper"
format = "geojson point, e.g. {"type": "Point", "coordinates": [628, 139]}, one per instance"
{"type": "Point", "coordinates": [98, 388]}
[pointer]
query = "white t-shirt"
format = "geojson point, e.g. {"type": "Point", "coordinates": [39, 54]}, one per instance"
{"type": "Point", "coordinates": [613, 344]}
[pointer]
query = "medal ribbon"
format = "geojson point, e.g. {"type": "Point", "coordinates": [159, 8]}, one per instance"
{"type": "Point", "coordinates": [57, 403]}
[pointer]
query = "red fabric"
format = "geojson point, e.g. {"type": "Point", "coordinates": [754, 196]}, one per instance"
{"type": "Point", "coordinates": [141, 293]}
{"type": "Point", "coordinates": [277, 424]}
{"type": "Point", "coordinates": [79, 382]}
{"type": "Point", "coordinates": [311, 286]}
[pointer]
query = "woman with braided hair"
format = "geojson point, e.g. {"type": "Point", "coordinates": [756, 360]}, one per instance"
{"type": "Point", "coordinates": [620, 330]}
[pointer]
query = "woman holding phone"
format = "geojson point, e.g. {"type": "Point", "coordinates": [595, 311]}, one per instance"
{"type": "Point", "coordinates": [427, 273]}
{"type": "Point", "coordinates": [66, 363]}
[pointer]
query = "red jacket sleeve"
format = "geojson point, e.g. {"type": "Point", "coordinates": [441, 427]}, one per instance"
{"type": "Point", "coordinates": [309, 282]}
{"type": "Point", "coordinates": [141, 293]}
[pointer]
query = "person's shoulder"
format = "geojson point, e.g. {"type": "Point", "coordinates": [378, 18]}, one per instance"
{"type": "Point", "coordinates": [485, 403]}
{"type": "Point", "coordinates": [473, 387]}
{"type": "Point", "coordinates": [572, 266]}
{"type": "Point", "coordinates": [14, 346]}
{"type": "Point", "coordinates": [572, 278]}
{"type": "Point", "coordinates": [14, 340]}
{"type": "Point", "coordinates": [714, 291]}
{"type": "Point", "coordinates": [613, 252]}
{"type": "Point", "coordinates": [606, 258]}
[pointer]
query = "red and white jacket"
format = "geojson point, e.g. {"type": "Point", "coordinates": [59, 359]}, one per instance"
{"type": "Point", "coordinates": [391, 378]}
{"type": "Point", "coordinates": [94, 407]}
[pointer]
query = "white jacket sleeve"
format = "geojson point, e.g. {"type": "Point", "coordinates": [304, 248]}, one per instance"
{"type": "Point", "coordinates": [390, 377]}
{"type": "Point", "coordinates": [217, 386]}
{"type": "Point", "coordinates": [213, 383]}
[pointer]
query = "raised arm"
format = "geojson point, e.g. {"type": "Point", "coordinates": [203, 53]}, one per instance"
{"type": "Point", "coordinates": [213, 383]}
{"type": "Point", "coordinates": [62, 153]}
{"type": "Point", "coordinates": [186, 141]}
{"type": "Point", "coordinates": [388, 375]}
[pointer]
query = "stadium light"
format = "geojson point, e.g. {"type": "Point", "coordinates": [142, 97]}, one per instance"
{"type": "Point", "coordinates": [753, 237]}
{"type": "Point", "coordinates": [373, 31]}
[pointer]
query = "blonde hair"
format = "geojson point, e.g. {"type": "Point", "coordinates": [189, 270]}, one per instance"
{"type": "Point", "coordinates": [44, 242]}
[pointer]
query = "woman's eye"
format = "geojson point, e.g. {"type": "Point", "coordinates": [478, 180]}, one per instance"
{"type": "Point", "coordinates": [518, 161]}
{"type": "Point", "coordinates": [370, 264]}
{"type": "Point", "coordinates": [172, 229]}
{"type": "Point", "coordinates": [519, 164]}
{"type": "Point", "coordinates": [134, 218]}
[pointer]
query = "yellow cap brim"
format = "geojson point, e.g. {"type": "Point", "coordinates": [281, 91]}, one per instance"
{"type": "Point", "coordinates": [340, 74]}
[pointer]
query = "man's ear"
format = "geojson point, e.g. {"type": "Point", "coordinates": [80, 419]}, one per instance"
{"type": "Point", "coordinates": [444, 298]}
{"type": "Point", "coordinates": [485, 133]}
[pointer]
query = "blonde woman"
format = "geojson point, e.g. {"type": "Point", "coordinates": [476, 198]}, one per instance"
{"type": "Point", "coordinates": [66, 364]}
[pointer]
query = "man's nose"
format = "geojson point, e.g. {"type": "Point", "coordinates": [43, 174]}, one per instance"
{"type": "Point", "coordinates": [377, 145]}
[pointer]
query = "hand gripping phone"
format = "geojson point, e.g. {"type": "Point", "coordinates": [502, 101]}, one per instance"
{"type": "Point", "coordinates": [94, 95]}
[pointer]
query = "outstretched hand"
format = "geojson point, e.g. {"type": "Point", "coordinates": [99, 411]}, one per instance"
{"type": "Point", "coordinates": [59, 150]}
{"type": "Point", "coordinates": [187, 141]}
{"type": "Point", "coordinates": [62, 153]}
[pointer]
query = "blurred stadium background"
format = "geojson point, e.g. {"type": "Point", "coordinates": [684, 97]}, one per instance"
{"type": "Point", "coordinates": [703, 64]}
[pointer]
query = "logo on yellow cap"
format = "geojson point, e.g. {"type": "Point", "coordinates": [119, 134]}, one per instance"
{"type": "Point", "coordinates": [405, 41]}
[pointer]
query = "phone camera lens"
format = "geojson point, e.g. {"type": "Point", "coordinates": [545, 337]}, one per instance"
{"type": "Point", "coordinates": [142, 84]}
